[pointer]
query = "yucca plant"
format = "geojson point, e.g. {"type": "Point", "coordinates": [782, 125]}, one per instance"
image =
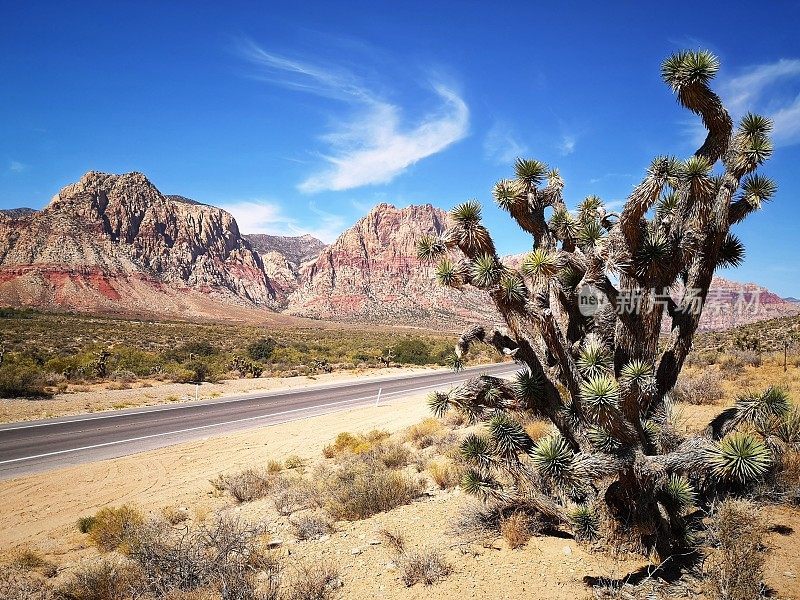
{"type": "Point", "coordinates": [588, 343]}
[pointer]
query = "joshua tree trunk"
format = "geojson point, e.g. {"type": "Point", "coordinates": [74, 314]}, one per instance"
{"type": "Point", "coordinates": [583, 314]}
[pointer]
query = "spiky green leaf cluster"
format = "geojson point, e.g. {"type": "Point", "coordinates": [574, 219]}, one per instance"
{"type": "Point", "coordinates": [439, 403]}
{"type": "Point", "coordinates": [652, 256]}
{"type": "Point", "coordinates": [477, 450]}
{"type": "Point", "coordinates": [585, 522]}
{"type": "Point", "coordinates": [528, 386]}
{"type": "Point", "coordinates": [686, 68]}
{"type": "Point", "coordinates": [508, 194]}
{"type": "Point", "coordinates": [564, 225]}
{"type": "Point", "coordinates": [600, 396]}
{"type": "Point", "coordinates": [429, 248]}
{"type": "Point", "coordinates": [486, 271]}
{"type": "Point", "coordinates": [554, 459]}
{"type": "Point", "coordinates": [603, 440]}
{"type": "Point", "coordinates": [508, 436]}
{"type": "Point", "coordinates": [481, 484]}
{"type": "Point", "coordinates": [679, 492]}
{"type": "Point", "coordinates": [637, 375]}
{"type": "Point", "coordinates": [447, 273]}
{"type": "Point", "coordinates": [594, 359]}
{"type": "Point", "coordinates": [513, 289]}
{"type": "Point", "coordinates": [540, 265]}
{"type": "Point", "coordinates": [740, 458]}
{"type": "Point", "coordinates": [760, 407]}
{"type": "Point", "coordinates": [530, 173]}
{"type": "Point", "coordinates": [757, 189]}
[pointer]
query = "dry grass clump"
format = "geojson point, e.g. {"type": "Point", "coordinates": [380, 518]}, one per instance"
{"type": "Point", "coordinates": [311, 526]}
{"type": "Point", "coordinates": [312, 581]}
{"type": "Point", "coordinates": [292, 493]}
{"type": "Point", "coordinates": [424, 434]}
{"type": "Point", "coordinates": [736, 566]}
{"type": "Point", "coordinates": [538, 428]}
{"type": "Point", "coordinates": [103, 579]}
{"type": "Point", "coordinates": [358, 488]}
{"type": "Point", "coordinates": [445, 472]}
{"type": "Point", "coordinates": [293, 462]}
{"type": "Point", "coordinates": [174, 515]}
{"type": "Point", "coordinates": [424, 566]}
{"type": "Point", "coordinates": [113, 528]}
{"type": "Point", "coordinates": [516, 529]}
{"type": "Point", "coordinates": [394, 539]}
{"type": "Point", "coordinates": [21, 585]}
{"type": "Point", "coordinates": [347, 442]}
{"type": "Point", "coordinates": [246, 486]}
{"type": "Point", "coordinates": [705, 388]}
{"type": "Point", "coordinates": [31, 560]}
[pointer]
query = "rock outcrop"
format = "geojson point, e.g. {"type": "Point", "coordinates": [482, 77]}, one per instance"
{"type": "Point", "coordinates": [371, 274]}
{"type": "Point", "coordinates": [115, 243]}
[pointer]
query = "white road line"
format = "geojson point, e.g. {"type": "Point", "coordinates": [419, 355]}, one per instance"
{"type": "Point", "coordinates": [199, 427]}
{"type": "Point", "coordinates": [254, 396]}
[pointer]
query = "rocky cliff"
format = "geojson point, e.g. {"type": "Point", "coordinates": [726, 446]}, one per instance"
{"type": "Point", "coordinates": [115, 243]}
{"type": "Point", "coordinates": [371, 274]}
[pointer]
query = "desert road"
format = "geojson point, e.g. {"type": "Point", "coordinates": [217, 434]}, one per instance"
{"type": "Point", "coordinates": [34, 446]}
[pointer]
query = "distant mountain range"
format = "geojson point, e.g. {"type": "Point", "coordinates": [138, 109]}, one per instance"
{"type": "Point", "coordinates": [115, 244]}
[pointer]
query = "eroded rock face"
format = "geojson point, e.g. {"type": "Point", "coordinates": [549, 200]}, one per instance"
{"type": "Point", "coordinates": [111, 233]}
{"type": "Point", "coordinates": [371, 274]}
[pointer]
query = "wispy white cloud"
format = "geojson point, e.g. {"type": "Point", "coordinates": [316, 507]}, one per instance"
{"type": "Point", "coordinates": [567, 144]}
{"type": "Point", "coordinates": [262, 216]}
{"type": "Point", "coordinates": [771, 89]}
{"type": "Point", "coordinates": [500, 145]}
{"type": "Point", "coordinates": [371, 145]}
{"type": "Point", "coordinates": [16, 166]}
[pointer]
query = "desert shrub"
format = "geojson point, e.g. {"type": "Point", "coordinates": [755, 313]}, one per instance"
{"type": "Point", "coordinates": [538, 429]}
{"type": "Point", "coordinates": [86, 523]}
{"type": "Point", "coordinates": [16, 584]}
{"type": "Point", "coordinates": [516, 529]}
{"type": "Point", "coordinates": [358, 444]}
{"type": "Point", "coordinates": [312, 581]}
{"type": "Point", "coordinates": [413, 351]}
{"type": "Point", "coordinates": [174, 515]}
{"type": "Point", "coordinates": [425, 566]}
{"type": "Point", "coordinates": [359, 488]}
{"type": "Point", "coordinates": [482, 522]}
{"type": "Point", "coordinates": [444, 472]}
{"type": "Point", "coordinates": [262, 349]}
{"type": "Point", "coordinates": [736, 566]}
{"type": "Point", "coordinates": [247, 485]}
{"type": "Point", "coordinates": [425, 433]}
{"type": "Point", "coordinates": [734, 361]}
{"type": "Point", "coordinates": [21, 379]}
{"type": "Point", "coordinates": [198, 370]}
{"type": "Point", "coordinates": [274, 466]}
{"type": "Point", "coordinates": [293, 462]}
{"type": "Point", "coordinates": [291, 494]}
{"type": "Point", "coordinates": [114, 528]}
{"type": "Point", "coordinates": [394, 539]}
{"type": "Point", "coordinates": [226, 555]}
{"type": "Point", "coordinates": [30, 560]}
{"type": "Point", "coordinates": [103, 579]}
{"type": "Point", "coordinates": [311, 526]}
{"type": "Point", "coordinates": [391, 454]}
{"type": "Point", "coordinates": [705, 388]}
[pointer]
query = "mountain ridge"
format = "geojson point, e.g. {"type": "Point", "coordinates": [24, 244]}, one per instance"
{"type": "Point", "coordinates": [115, 243]}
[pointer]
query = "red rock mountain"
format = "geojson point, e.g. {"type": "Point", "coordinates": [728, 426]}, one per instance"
{"type": "Point", "coordinates": [371, 274]}
{"type": "Point", "coordinates": [115, 244]}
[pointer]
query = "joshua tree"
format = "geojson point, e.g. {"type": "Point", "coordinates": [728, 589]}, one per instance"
{"type": "Point", "coordinates": [583, 314]}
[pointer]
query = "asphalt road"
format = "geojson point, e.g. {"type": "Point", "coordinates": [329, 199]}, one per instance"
{"type": "Point", "coordinates": [34, 446]}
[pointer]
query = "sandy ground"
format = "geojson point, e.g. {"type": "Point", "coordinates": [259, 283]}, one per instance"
{"type": "Point", "coordinates": [150, 393]}
{"type": "Point", "coordinates": [39, 511]}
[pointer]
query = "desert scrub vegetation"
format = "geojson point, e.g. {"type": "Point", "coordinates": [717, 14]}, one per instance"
{"type": "Point", "coordinates": [425, 566]}
{"type": "Point", "coordinates": [704, 388]}
{"type": "Point", "coordinates": [735, 566]}
{"type": "Point", "coordinates": [113, 528]}
{"type": "Point", "coordinates": [29, 560]}
{"type": "Point", "coordinates": [119, 351]}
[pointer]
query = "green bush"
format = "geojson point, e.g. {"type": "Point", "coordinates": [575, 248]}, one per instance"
{"type": "Point", "coordinates": [21, 379]}
{"type": "Point", "coordinates": [413, 351]}
{"type": "Point", "coordinates": [262, 349]}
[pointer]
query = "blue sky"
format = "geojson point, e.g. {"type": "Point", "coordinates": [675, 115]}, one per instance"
{"type": "Point", "coordinates": [298, 117]}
